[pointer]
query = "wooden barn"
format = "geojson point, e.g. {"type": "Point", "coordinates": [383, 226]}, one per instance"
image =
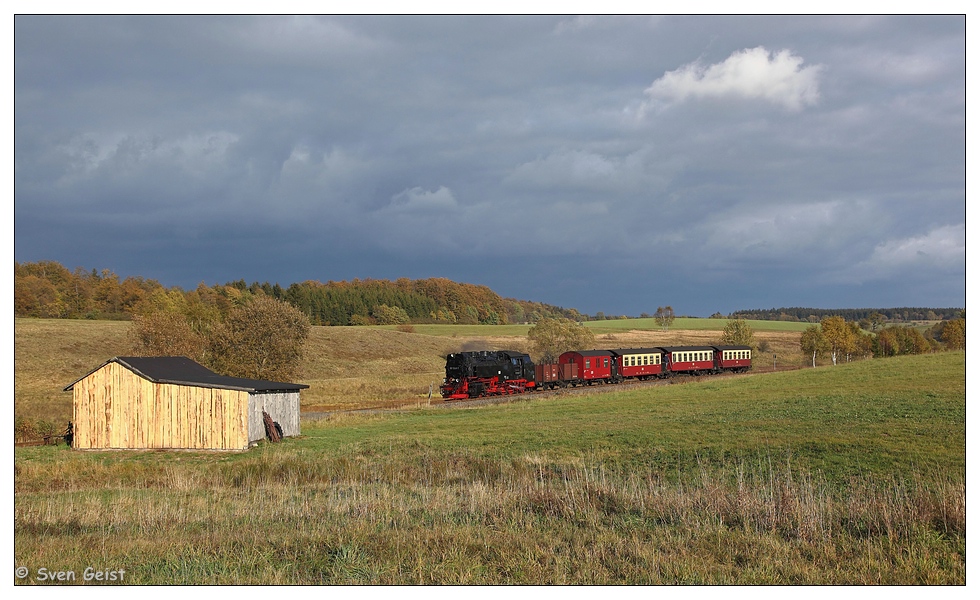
{"type": "Point", "coordinates": [173, 402]}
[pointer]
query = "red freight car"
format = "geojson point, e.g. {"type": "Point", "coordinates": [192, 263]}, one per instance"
{"type": "Point", "coordinates": [594, 366]}
{"type": "Point", "coordinates": [551, 375]}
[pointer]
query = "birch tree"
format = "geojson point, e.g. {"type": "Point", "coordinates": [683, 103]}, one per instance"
{"type": "Point", "coordinates": [839, 336]}
{"type": "Point", "coordinates": [664, 316]}
{"type": "Point", "coordinates": [813, 343]}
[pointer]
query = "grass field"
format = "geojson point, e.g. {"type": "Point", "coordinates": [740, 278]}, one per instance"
{"type": "Point", "coordinates": [598, 327]}
{"type": "Point", "coordinates": [345, 367]}
{"type": "Point", "coordinates": [838, 475]}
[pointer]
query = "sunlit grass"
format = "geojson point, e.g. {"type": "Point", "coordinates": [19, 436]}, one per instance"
{"type": "Point", "coordinates": [839, 475]}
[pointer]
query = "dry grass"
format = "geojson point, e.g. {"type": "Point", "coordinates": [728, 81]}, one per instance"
{"type": "Point", "coordinates": [459, 518]}
{"type": "Point", "coordinates": [52, 353]}
{"type": "Point", "coordinates": [345, 367]}
{"type": "Point", "coordinates": [846, 475]}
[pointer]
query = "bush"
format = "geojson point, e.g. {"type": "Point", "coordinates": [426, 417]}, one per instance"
{"type": "Point", "coordinates": [262, 339]}
{"type": "Point", "coordinates": [25, 429]}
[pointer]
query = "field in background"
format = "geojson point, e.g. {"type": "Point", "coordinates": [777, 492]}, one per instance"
{"type": "Point", "coordinates": [345, 367]}
{"type": "Point", "coordinates": [598, 327]}
{"type": "Point", "coordinates": [840, 475]}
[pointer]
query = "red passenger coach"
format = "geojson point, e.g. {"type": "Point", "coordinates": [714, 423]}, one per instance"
{"type": "Point", "coordinates": [693, 360]}
{"type": "Point", "coordinates": [593, 365]}
{"type": "Point", "coordinates": [641, 363]}
{"type": "Point", "coordinates": [737, 359]}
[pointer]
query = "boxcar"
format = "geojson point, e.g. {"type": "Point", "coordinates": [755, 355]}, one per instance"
{"type": "Point", "coordinates": [594, 366]}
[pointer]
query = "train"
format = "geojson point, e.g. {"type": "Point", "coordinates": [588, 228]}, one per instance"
{"type": "Point", "coordinates": [502, 372]}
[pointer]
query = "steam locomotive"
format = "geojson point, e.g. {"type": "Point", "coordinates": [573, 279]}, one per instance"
{"type": "Point", "coordinates": [502, 372]}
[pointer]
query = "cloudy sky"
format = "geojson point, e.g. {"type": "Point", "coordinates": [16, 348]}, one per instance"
{"type": "Point", "coordinates": [611, 164]}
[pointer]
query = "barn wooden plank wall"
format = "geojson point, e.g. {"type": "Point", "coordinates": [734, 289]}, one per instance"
{"type": "Point", "coordinates": [116, 408]}
{"type": "Point", "coordinates": [283, 407]}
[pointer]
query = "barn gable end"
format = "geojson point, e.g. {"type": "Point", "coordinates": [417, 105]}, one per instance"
{"type": "Point", "coordinates": [175, 403]}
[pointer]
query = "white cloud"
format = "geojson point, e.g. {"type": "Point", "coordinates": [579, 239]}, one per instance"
{"type": "Point", "coordinates": [790, 233]}
{"type": "Point", "coordinates": [754, 73]}
{"type": "Point", "coordinates": [293, 38]}
{"type": "Point", "coordinates": [942, 249]}
{"type": "Point", "coordinates": [583, 171]}
{"type": "Point", "coordinates": [417, 199]}
{"type": "Point", "coordinates": [575, 24]}
{"type": "Point", "coordinates": [564, 168]}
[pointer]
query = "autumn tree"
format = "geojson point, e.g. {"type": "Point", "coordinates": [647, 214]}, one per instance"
{"type": "Point", "coordinates": [897, 340]}
{"type": "Point", "coordinates": [954, 334]}
{"type": "Point", "coordinates": [838, 335]}
{"type": "Point", "coordinates": [390, 315]}
{"type": "Point", "coordinates": [166, 333]}
{"type": "Point", "coordinates": [552, 337]}
{"type": "Point", "coordinates": [861, 344]}
{"type": "Point", "coordinates": [738, 333]}
{"type": "Point", "coordinates": [813, 342]}
{"type": "Point", "coordinates": [261, 339]}
{"type": "Point", "coordinates": [664, 316]}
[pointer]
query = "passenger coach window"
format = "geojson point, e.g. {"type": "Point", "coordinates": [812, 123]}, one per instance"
{"type": "Point", "coordinates": [588, 364]}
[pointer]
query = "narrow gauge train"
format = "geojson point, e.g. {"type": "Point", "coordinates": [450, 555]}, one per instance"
{"type": "Point", "coordinates": [500, 372]}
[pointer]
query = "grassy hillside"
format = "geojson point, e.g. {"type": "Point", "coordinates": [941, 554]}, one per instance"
{"type": "Point", "coordinates": [345, 367]}
{"type": "Point", "coordinates": [837, 475]}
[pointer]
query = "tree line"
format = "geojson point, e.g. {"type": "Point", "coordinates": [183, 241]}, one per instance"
{"type": "Point", "coordinates": [816, 315]}
{"type": "Point", "coordinates": [843, 340]}
{"type": "Point", "coordinates": [47, 289]}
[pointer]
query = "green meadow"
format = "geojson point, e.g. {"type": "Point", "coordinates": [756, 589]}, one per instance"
{"type": "Point", "coordinates": [852, 474]}
{"type": "Point", "coordinates": [601, 327]}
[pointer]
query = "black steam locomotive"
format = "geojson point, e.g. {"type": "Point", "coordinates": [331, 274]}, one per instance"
{"type": "Point", "coordinates": [487, 373]}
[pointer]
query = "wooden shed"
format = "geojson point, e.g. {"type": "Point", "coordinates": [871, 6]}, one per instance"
{"type": "Point", "coordinates": [174, 402]}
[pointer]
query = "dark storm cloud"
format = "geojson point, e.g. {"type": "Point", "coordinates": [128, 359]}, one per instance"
{"type": "Point", "coordinates": [712, 163]}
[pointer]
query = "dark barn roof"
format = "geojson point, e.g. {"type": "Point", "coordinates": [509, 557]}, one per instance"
{"type": "Point", "coordinates": [181, 370]}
